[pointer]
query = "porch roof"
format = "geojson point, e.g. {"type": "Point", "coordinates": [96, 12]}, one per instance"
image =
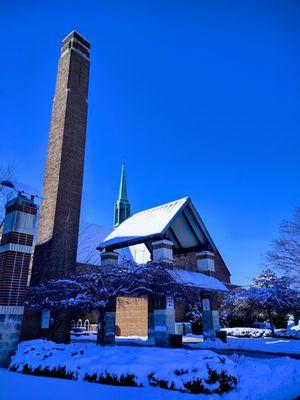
{"type": "Point", "coordinates": [177, 221]}
{"type": "Point", "coordinates": [197, 280]}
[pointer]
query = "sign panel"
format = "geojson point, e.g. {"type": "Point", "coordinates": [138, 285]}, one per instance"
{"type": "Point", "coordinates": [206, 304]}
{"type": "Point", "coordinates": [170, 302]}
{"type": "Point", "coordinates": [45, 319]}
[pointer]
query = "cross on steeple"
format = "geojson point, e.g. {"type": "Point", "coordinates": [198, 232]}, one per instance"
{"type": "Point", "coordinates": [122, 205]}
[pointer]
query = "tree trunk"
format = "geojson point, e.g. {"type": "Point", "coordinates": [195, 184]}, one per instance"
{"type": "Point", "coordinates": [271, 322]}
{"type": "Point", "coordinates": [101, 328]}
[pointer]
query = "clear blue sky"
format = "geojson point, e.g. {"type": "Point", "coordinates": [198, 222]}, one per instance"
{"type": "Point", "coordinates": [200, 98]}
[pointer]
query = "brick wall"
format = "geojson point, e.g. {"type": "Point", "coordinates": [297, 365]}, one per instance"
{"type": "Point", "coordinates": [189, 262]}
{"type": "Point", "coordinates": [132, 316]}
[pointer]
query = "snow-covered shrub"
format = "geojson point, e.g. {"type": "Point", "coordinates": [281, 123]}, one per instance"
{"type": "Point", "coordinates": [247, 332]}
{"type": "Point", "coordinates": [107, 378]}
{"type": "Point", "coordinates": [57, 372]}
{"type": "Point", "coordinates": [262, 333]}
{"type": "Point", "coordinates": [208, 379]}
{"type": "Point", "coordinates": [175, 369]}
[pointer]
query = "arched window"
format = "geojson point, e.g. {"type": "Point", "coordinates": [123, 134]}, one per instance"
{"type": "Point", "coordinates": [87, 325]}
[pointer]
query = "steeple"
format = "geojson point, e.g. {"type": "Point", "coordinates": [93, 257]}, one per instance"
{"type": "Point", "coordinates": [122, 205]}
{"type": "Point", "coordinates": [123, 186]}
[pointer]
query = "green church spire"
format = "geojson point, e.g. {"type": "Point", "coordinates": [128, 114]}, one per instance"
{"type": "Point", "coordinates": [122, 205]}
{"type": "Point", "coordinates": [123, 186]}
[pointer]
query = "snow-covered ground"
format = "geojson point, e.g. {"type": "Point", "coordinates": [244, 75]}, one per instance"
{"type": "Point", "coordinates": [263, 344]}
{"type": "Point", "coordinates": [259, 379]}
{"type": "Point", "coordinates": [269, 345]}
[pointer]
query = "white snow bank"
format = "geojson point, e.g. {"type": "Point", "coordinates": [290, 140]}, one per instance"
{"type": "Point", "coordinates": [175, 369]}
{"type": "Point", "coordinates": [269, 345]}
{"type": "Point", "coordinates": [293, 332]}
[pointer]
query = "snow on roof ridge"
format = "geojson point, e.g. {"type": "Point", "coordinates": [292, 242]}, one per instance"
{"type": "Point", "coordinates": [141, 225]}
{"type": "Point", "coordinates": [161, 206]}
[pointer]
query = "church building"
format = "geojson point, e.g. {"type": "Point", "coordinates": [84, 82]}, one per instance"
{"type": "Point", "coordinates": [173, 233]}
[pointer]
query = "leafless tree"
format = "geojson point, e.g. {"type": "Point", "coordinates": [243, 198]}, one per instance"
{"type": "Point", "coordinates": [285, 252]}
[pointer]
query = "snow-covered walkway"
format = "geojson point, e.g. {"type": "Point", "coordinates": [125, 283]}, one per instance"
{"type": "Point", "coordinates": [259, 379]}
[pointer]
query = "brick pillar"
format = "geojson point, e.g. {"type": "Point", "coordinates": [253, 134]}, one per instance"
{"type": "Point", "coordinates": [109, 258]}
{"type": "Point", "coordinates": [151, 321]}
{"type": "Point", "coordinates": [15, 258]}
{"type": "Point", "coordinates": [205, 261]}
{"type": "Point", "coordinates": [164, 321]}
{"type": "Point", "coordinates": [162, 250]}
{"type": "Point", "coordinates": [110, 322]}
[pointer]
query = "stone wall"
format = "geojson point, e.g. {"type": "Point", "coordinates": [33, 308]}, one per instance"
{"type": "Point", "coordinates": [10, 326]}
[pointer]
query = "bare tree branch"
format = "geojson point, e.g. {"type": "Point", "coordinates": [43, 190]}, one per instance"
{"type": "Point", "coordinates": [285, 252]}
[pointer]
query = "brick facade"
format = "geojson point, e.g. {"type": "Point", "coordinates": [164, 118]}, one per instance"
{"type": "Point", "coordinates": [132, 316]}
{"type": "Point", "coordinates": [189, 262]}
{"type": "Point", "coordinates": [15, 251]}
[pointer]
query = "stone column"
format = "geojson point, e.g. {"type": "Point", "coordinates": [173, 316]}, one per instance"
{"type": "Point", "coordinates": [110, 322]}
{"type": "Point", "coordinates": [162, 251]}
{"type": "Point", "coordinates": [210, 317]}
{"type": "Point", "coordinates": [109, 258]}
{"type": "Point", "coordinates": [164, 321]}
{"type": "Point", "coordinates": [205, 261]}
{"type": "Point", "coordinates": [10, 325]}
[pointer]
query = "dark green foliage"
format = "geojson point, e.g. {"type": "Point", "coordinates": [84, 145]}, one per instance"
{"type": "Point", "coordinates": [180, 371]}
{"type": "Point", "coordinates": [197, 385]}
{"type": "Point", "coordinates": [226, 382]}
{"type": "Point", "coordinates": [53, 373]}
{"type": "Point", "coordinates": [162, 383]}
{"type": "Point", "coordinates": [112, 379]}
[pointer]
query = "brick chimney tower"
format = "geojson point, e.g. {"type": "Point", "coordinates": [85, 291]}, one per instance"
{"type": "Point", "coordinates": [56, 247]}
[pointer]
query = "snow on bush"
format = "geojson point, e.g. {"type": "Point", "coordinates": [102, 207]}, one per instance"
{"type": "Point", "coordinates": [292, 333]}
{"type": "Point", "coordinates": [247, 332]}
{"type": "Point", "coordinates": [174, 369]}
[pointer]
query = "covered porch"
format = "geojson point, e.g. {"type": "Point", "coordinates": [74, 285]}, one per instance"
{"type": "Point", "coordinates": [168, 232]}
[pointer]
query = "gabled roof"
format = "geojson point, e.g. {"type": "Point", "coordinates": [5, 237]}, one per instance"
{"type": "Point", "coordinates": [177, 221]}
{"type": "Point", "coordinates": [144, 225]}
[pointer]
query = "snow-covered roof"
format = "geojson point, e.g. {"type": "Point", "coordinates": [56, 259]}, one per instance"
{"type": "Point", "coordinates": [144, 224]}
{"type": "Point", "coordinates": [88, 239]}
{"type": "Point", "coordinates": [20, 187]}
{"type": "Point", "coordinates": [197, 280]}
{"type": "Point", "coordinates": [177, 221]}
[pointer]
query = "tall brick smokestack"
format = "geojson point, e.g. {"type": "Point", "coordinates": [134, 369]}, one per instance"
{"type": "Point", "coordinates": [56, 248]}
